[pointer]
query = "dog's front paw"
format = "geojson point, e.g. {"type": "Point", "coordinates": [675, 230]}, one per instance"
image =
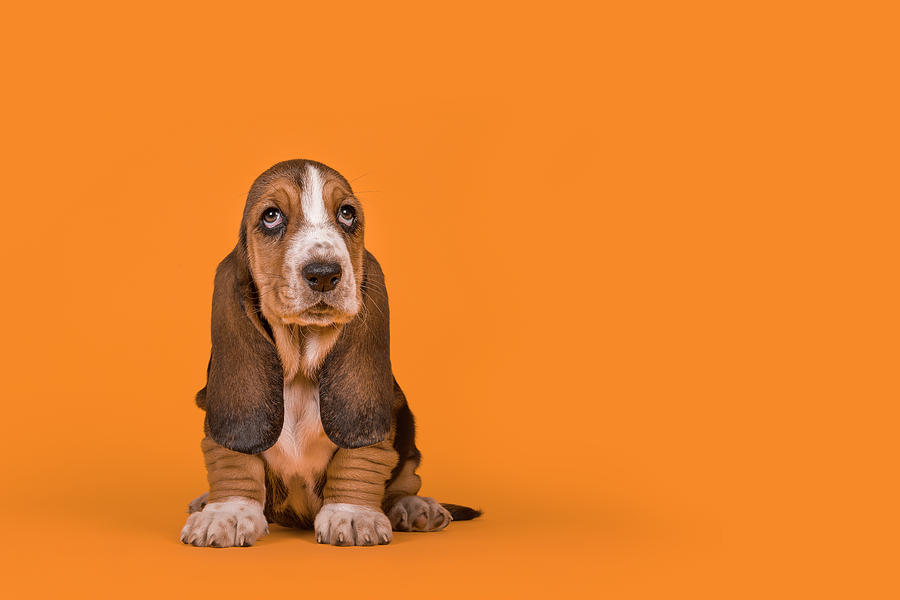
{"type": "Point", "coordinates": [418, 513]}
{"type": "Point", "coordinates": [232, 522]}
{"type": "Point", "coordinates": [352, 525]}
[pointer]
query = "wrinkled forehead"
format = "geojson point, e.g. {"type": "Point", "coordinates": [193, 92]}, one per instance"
{"type": "Point", "coordinates": [309, 192]}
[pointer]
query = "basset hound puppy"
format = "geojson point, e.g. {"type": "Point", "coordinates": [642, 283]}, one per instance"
{"type": "Point", "coordinates": [305, 424]}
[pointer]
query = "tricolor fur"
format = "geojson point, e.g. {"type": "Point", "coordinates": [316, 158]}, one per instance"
{"type": "Point", "coordinates": [305, 423]}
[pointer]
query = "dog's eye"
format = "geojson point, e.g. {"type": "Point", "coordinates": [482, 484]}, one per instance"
{"type": "Point", "coordinates": [347, 216]}
{"type": "Point", "coordinates": [272, 218]}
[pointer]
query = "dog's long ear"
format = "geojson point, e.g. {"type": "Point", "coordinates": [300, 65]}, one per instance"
{"type": "Point", "coordinates": [356, 389]}
{"type": "Point", "coordinates": [244, 396]}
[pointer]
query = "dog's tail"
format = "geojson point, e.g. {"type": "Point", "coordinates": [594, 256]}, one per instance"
{"type": "Point", "coordinates": [461, 513]}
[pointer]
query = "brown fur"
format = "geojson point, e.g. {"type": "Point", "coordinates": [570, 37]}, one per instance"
{"type": "Point", "coordinates": [244, 377]}
{"type": "Point", "coordinates": [271, 335]}
{"type": "Point", "coordinates": [232, 473]}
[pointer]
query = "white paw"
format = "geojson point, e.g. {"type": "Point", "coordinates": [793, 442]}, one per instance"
{"type": "Point", "coordinates": [418, 513]}
{"type": "Point", "coordinates": [352, 525]}
{"type": "Point", "coordinates": [232, 522]}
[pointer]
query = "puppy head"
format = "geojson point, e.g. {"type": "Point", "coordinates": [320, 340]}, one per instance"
{"type": "Point", "coordinates": [304, 237]}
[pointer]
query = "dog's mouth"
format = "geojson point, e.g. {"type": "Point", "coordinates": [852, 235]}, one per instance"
{"type": "Point", "coordinates": [320, 313]}
{"type": "Point", "coordinates": [320, 308]}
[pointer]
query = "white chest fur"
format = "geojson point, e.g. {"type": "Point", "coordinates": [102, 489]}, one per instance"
{"type": "Point", "coordinates": [303, 450]}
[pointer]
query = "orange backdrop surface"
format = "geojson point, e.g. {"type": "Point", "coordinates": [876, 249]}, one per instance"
{"type": "Point", "coordinates": [641, 261]}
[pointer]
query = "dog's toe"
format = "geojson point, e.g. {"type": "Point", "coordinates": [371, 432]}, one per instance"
{"type": "Point", "coordinates": [418, 513]}
{"type": "Point", "coordinates": [235, 522]}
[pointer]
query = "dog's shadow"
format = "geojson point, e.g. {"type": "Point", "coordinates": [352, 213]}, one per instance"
{"type": "Point", "coordinates": [280, 535]}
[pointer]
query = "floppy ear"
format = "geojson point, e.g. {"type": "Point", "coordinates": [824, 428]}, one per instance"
{"type": "Point", "coordinates": [244, 396]}
{"type": "Point", "coordinates": [356, 389]}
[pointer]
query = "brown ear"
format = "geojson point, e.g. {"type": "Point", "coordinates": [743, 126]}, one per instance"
{"type": "Point", "coordinates": [356, 389]}
{"type": "Point", "coordinates": [244, 396]}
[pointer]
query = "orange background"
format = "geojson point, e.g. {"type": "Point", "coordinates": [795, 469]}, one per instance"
{"type": "Point", "coordinates": [642, 263]}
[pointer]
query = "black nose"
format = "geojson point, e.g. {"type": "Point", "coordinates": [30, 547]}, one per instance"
{"type": "Point", "coordinates": [322, 277]}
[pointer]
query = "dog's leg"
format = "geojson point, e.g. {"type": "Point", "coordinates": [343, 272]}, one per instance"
{"type": "Point", "coordinates": [354, 489]}
{"type": "Point", "coordinates": [233, 513]}
{"type": "Point", "coordinates": [406, 510]}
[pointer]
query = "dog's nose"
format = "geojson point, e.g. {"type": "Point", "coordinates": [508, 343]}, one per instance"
{"type": "Point", "coordinates": [322, 277]}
